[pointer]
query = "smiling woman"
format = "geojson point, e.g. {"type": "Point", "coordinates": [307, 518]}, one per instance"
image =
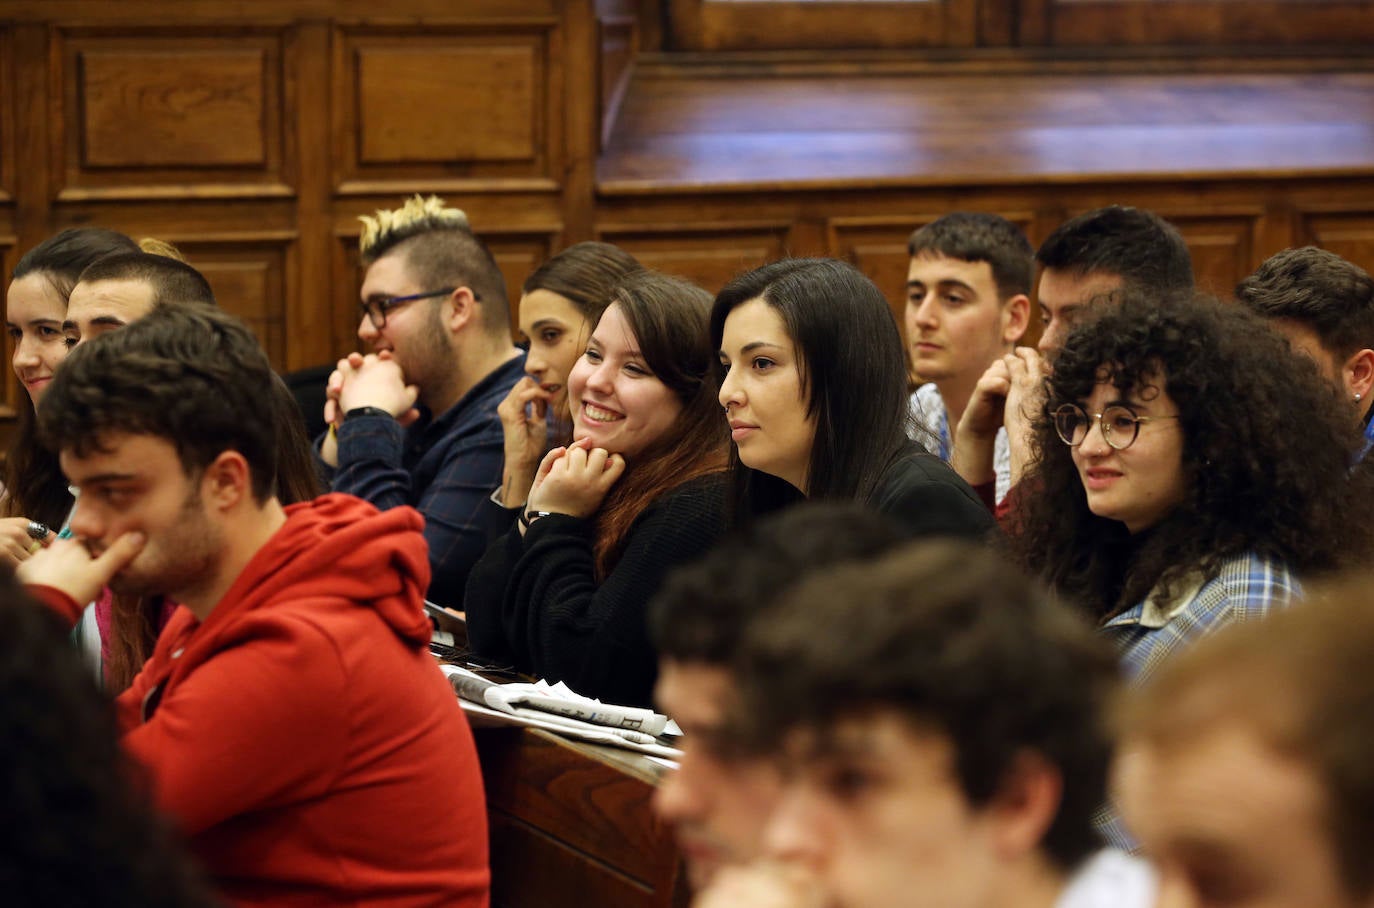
{"type": "Point", "coordinates": [638, 492]}
{"type": "Point", "coordinates": [561, 303]}
{"type": "Point", "coordinates": [1191, 468]}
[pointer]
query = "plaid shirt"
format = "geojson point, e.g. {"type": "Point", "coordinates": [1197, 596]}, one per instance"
{"type": "Point", "coordinates": [928, 411]}
{"type": "Point", "coordinates": [1246, 588]}
{"type": "Point", "coordinates": [445, 468]}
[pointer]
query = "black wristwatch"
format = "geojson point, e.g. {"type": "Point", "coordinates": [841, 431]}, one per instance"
{"type": "Point", "coordinates": [365, 411]}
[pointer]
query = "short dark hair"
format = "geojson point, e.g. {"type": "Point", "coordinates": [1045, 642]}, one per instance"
{"type": "Point", "coordinates": [853, 371]}
{"type": "Point", "coordinates": [1319, 289]}
{"type": "Point", "coordinates": [172, 282]}
{"type": "Point", "coordinates": [63, 257]}
{"type": "Point", "coordinates": [193, 376]}
{"type": "Point", "coordinates": [950, 637]}
{"type": "Point", "coordinates": [1139, 246]}
{"type": "Point", "coordinates": [586, 275]}
{"type": "Point", "coordinates": [975, 236]}
{"type": "Point", "coordinates": [702, 610]}
{"type": "Point", "coordinates": [1301, 679]}
{"type": "Point", "coordinates": [440, 250]}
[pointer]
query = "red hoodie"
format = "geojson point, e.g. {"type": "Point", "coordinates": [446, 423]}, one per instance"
{"type": "Point", "coordinates": [303, 737]}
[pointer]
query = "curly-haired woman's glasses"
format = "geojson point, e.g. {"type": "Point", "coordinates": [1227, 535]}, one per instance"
{"type": "Point", "coordinates": [1120, 424]}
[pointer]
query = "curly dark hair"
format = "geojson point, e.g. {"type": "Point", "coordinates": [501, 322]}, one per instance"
{"type": "Point", "coordinates": [1333, 297]}
{"type": "Point", "coordinates": [948, 636]}
{"type": "Point", "coordinates": [1267, 451]}
{"type": "Point", "coordinates": [75, 831]}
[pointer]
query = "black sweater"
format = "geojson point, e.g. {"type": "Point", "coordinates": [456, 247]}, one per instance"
{"type": "Point", "coordinates": [534, 602]}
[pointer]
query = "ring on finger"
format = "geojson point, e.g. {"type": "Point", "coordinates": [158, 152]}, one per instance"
{"type": "Point", "coordinates": [37, 531]}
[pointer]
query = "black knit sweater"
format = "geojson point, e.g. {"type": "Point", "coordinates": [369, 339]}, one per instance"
{"type": "Point", "coordinates": [534, 602]}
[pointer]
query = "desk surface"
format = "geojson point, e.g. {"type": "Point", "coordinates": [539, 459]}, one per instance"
{"type": "Point", "coordinates": [572, 824]}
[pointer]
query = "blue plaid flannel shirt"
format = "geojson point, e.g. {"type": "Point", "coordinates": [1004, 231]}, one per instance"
{"type": "Point", "coordinates": [1247, 587]}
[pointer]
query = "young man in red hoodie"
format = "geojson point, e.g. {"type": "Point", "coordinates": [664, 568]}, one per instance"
{"type": "Point", "coordinates": [291, 719]}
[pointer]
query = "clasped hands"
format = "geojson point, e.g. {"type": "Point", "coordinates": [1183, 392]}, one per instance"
{"type": "Point", "coordinates": [574, 480]}
{"type": "Point", "coordinates": [374, 380]}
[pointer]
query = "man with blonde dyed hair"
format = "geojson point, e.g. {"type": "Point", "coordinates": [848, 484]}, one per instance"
{"type": "Point", "coordinates": [414, 422]}
{"type": "Point", "coordinates": [1246, 767]}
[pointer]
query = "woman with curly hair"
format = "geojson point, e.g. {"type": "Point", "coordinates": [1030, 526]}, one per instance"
{"type": "Point", "coordinates": [1191, 468]}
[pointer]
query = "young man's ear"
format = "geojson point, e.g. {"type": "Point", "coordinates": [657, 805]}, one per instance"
{"type": "Point", "coordinates": [462, 308]}
{"type": "Point", "coordinates": [228, 480]}
{"type": "Point", "coordinates": [1359, 374]}
{"type": "Point", "coordinates": [1025, 805]}
{"type": "Point", "coordinates": [1015, 318]}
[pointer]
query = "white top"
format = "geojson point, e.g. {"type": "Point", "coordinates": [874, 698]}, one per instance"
{"type": "Point", "coordinates": [928, 410]}
{"type": "Point", "coordinates": [1111, 879]}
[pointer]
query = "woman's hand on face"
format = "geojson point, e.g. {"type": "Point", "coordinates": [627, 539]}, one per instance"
{"type": "Point", "coordinates": [574, 480]}
{"type": "Point", "coordinates": [523, 420]}
{"type": "Point", "coordinates": [16, 545]}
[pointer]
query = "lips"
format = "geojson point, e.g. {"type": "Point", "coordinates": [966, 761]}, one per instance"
{"type": "Point", "coordinates": [740, 430]}
{"type": "Point", "coordinates": [594, 413]}
{"type": "Point", "coordinates": [1099, 478]}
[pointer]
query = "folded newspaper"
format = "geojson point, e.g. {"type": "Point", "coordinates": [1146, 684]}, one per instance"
{"type": "Point", "coordinates": [557, 708]}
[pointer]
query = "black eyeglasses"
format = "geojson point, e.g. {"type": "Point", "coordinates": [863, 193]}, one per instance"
{"type": "Point", "coordinates": [377, 307]}
{"type": "Point", "coordinates": [1119, 423]}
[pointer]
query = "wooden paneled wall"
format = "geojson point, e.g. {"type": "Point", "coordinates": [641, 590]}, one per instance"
{"type": "Point", "coordinates": [252, 135]}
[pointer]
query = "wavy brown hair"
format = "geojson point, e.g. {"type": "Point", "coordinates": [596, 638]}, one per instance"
{"type": "Point", "coordinates": [1267, 453]}
{"type": "Point", "coordinates": [668, 316]}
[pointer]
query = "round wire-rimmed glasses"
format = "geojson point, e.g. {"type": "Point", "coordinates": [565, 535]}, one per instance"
{"type": "Point", "coordinates": [1119, 424]}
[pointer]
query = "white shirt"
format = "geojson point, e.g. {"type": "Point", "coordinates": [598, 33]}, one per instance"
{"type": "Point", "coordinates": [1111, 879]}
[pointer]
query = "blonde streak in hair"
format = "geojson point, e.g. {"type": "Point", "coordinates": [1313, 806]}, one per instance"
{"type": "Point", "coordinates": [432, 212]}
{"type": "Point", "coordinates": [154, 246]}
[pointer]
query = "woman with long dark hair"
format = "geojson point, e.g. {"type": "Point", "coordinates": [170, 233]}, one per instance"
{"type": "Point", "coordinates": [560, 304]}
{"type": "Point", "coordinates": [36, 499]}
{"type": "Point", "coordinates": [639, 491]}
{"type": "Point", "coordinates": [813, 382]}
{"type": "Point", "coordinates": [1191, 469]}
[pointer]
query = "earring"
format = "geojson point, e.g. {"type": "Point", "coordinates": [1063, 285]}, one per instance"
{"type": "Point", "coordinates": [1357, 397]}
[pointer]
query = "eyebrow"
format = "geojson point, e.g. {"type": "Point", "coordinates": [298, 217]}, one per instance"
{"type": "Point", "coordinates": [107, 477]}
{"type": "Point", "coordinates": [946, 282]}
{"type": "Point", "coordinates": [755, 345]}
{"type": "Point", "coordinates": [546, 322]}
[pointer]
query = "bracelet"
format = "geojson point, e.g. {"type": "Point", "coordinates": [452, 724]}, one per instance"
{"type": "Point", "coordinates": [529, 517]}
{"type": "Point", "coordinates": [365, 411]}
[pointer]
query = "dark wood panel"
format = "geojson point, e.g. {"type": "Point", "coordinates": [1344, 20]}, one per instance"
{"type": "Point", "coordinates": [249, 280]}
{"type": "Point", "coordinates": [706, 254]}
{"type": "Point", "coordinates": [452, 108]}
{"type": "Point", "coordinates": [172, 108]}
{"type": "Point", "coordinates": [194, 114]}
{"type": "Point", "coordinates": [418, 104]}
{"type": "Point", "coordinates": [573, 823]}
{"type": "Point", "coordinates": [1095, 23]}
{"type": "Point", "coordinates": [1349, 235]}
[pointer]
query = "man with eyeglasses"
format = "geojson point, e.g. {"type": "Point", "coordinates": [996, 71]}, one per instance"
{"type": "Point", "coordinates": [414, 422]}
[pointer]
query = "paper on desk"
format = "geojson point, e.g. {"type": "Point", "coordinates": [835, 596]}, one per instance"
{"type": "Point", "coordinates": [487, 698]}
{"type": "Point", "coordinates": [582, 731]}
{"type": "Point", "coordinates": [553, 698]}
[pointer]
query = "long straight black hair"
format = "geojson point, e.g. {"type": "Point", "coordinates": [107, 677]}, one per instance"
{"type": "Point", "coordinates": [853, 379]}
